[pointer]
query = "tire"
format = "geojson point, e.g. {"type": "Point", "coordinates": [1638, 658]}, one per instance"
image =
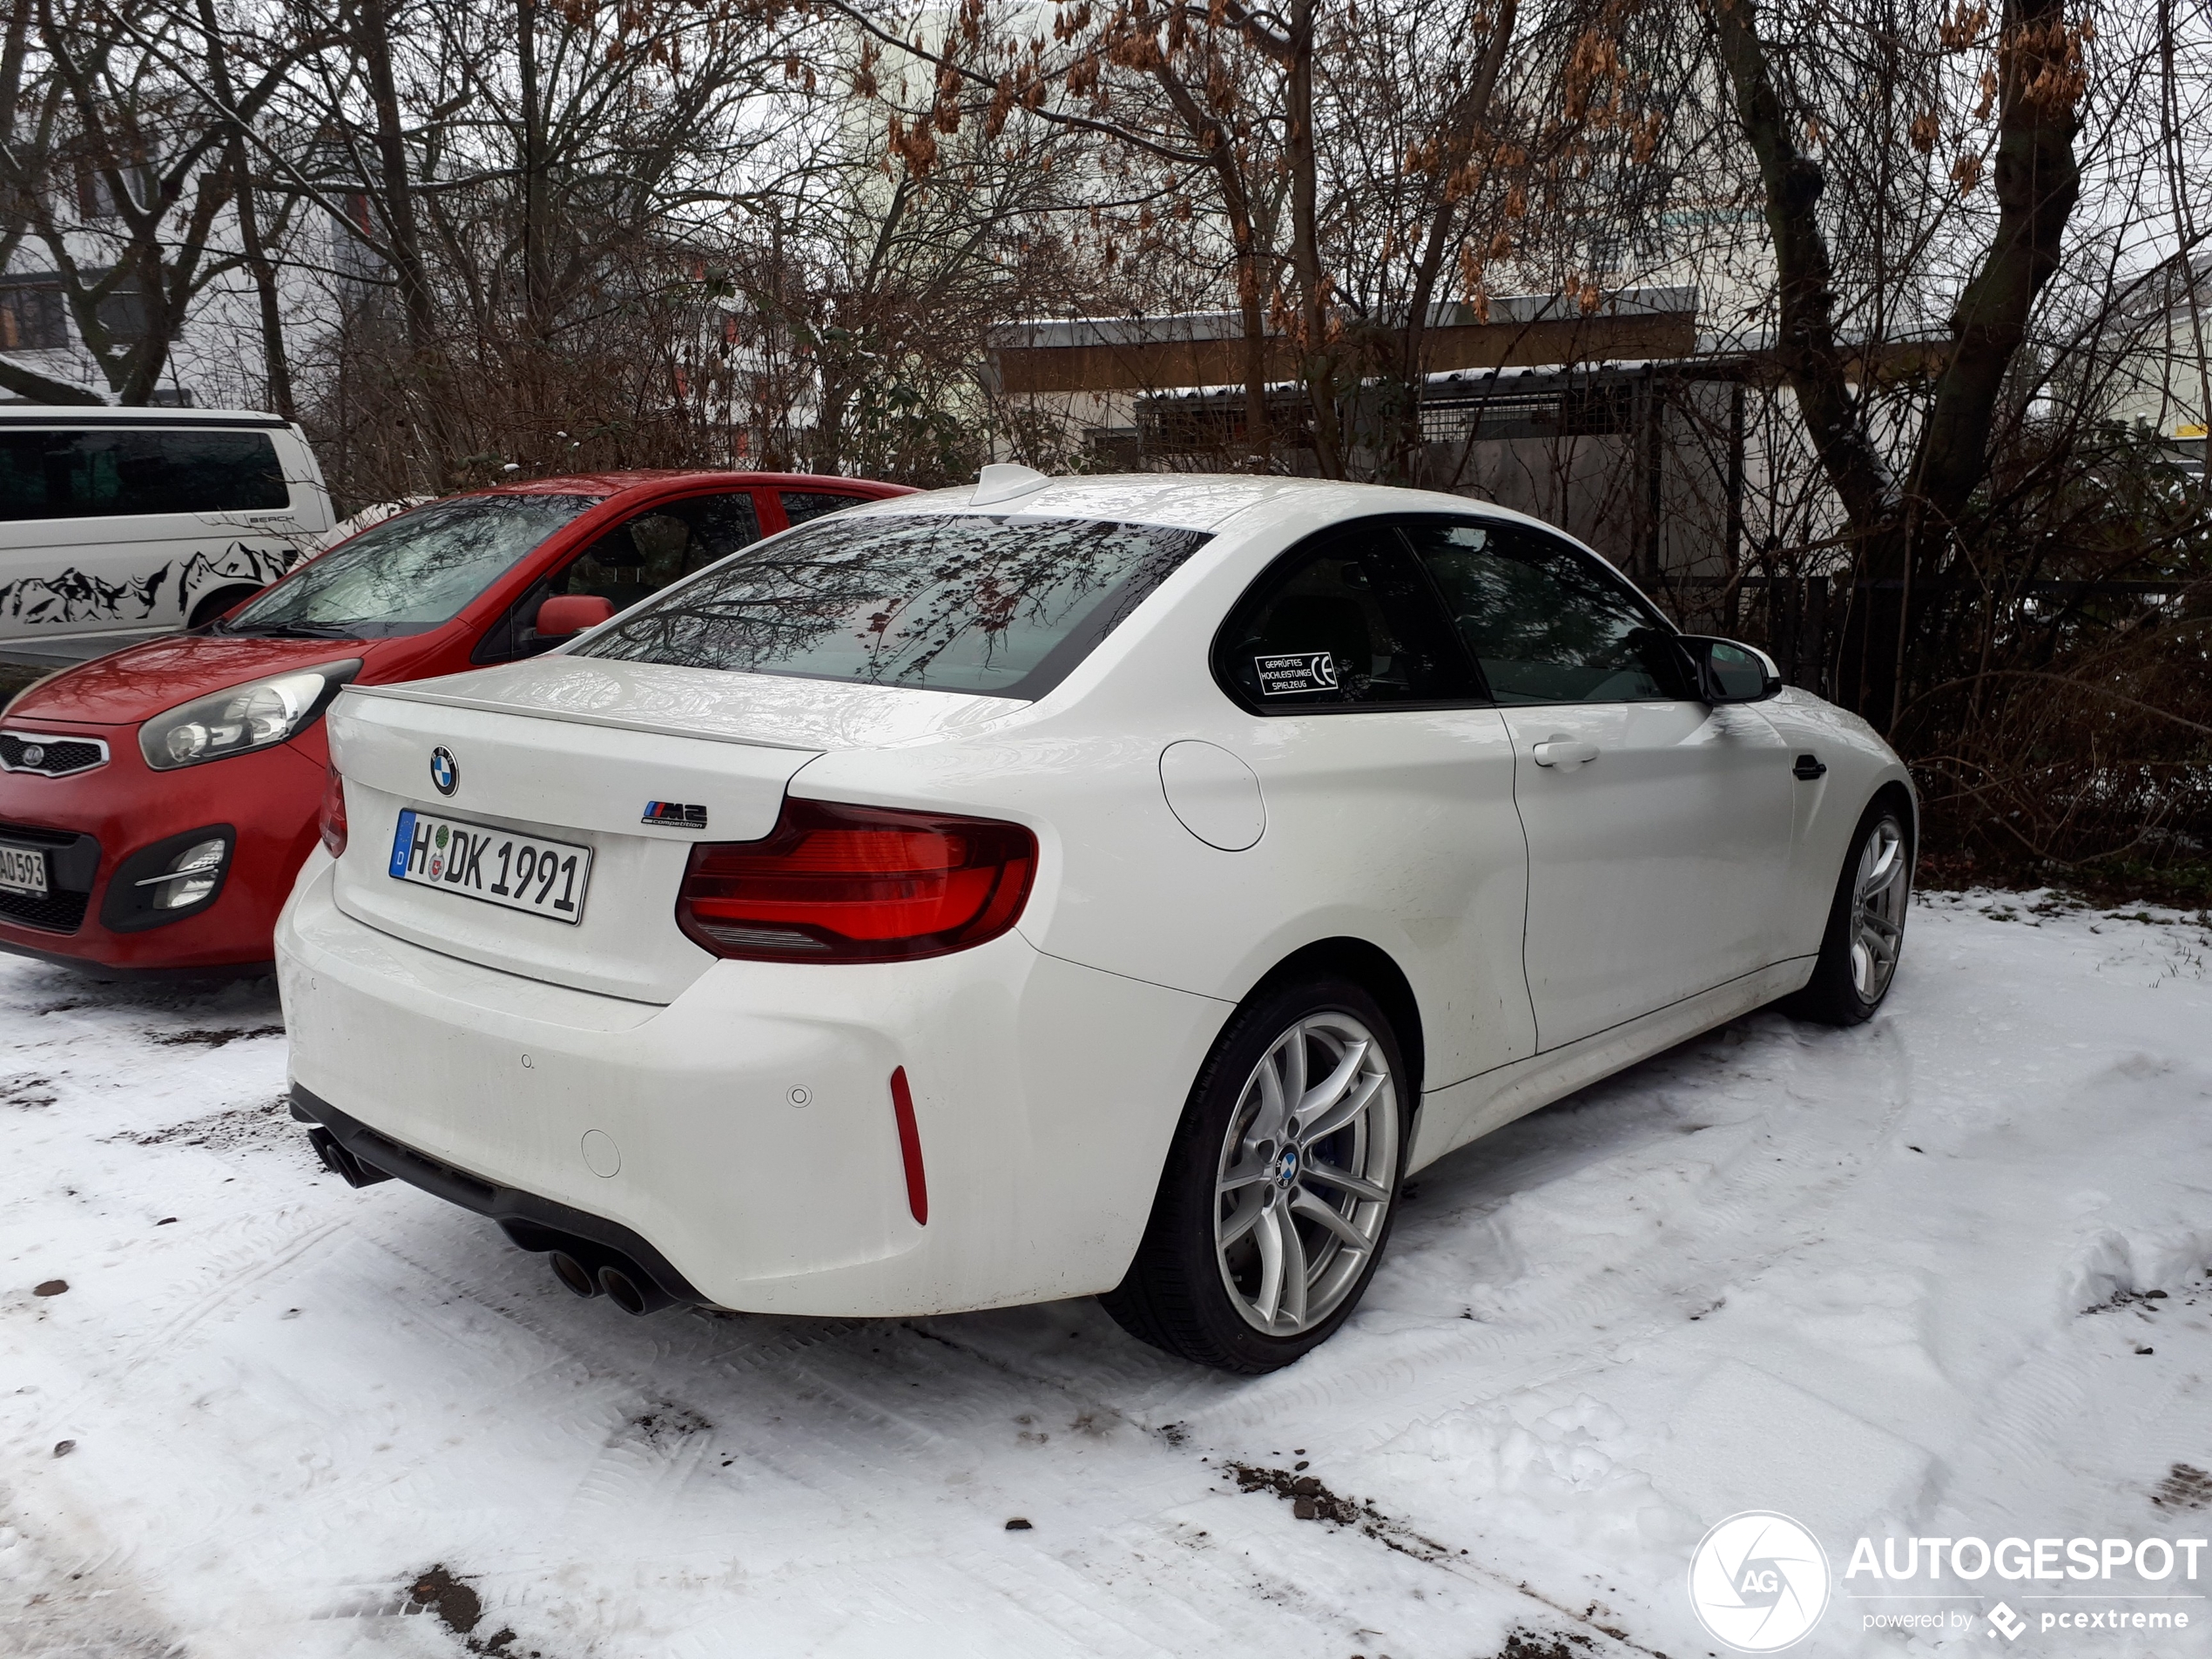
{"type": "Point", "coordinates": [1220, 1303]}
{"type": "Point", "coordinates": [214, 604]}
{"type": "Point", "coordinates": [1866, 931]}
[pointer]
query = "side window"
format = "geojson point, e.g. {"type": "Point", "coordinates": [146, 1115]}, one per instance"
{"type": "Point", "coordinates": [1345, 623]}
{"type": "Point", "coordinates": [91, 474]}
{"type": "Point", "coordinates": [632, 562]}
{"type": "Point", "coordinates": [642, 555]}
{"type": "Point", "coordinates": [800, 505]}
{"type": "Point", "coordinates": [1545, 621]}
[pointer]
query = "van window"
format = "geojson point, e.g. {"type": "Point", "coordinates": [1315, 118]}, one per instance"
{"type": "Point", "coordinates": [127, 471]}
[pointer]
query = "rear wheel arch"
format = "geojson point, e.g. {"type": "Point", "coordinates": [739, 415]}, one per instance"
{"type": "Point", "coordinates": [1371, 968]}
{"type": "Point", "coordinates": [1212, 1297]}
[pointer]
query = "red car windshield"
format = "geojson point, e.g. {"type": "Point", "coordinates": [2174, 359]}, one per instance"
{"type": "Point", "coordinates": [409, 574]}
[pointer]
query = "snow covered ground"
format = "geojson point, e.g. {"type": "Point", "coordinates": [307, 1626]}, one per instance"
{"type": "Point", "coordinates": [1891, 1281]}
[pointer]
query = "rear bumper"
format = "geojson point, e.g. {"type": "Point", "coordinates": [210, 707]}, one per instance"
{"type": "Point", "coordinates": [743, 1136]}
{"type": "Point", "coordinates": [533, 1222]}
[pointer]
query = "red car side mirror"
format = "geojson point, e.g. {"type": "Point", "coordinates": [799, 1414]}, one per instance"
{"type": "Point", "coordinates": [565, 614]}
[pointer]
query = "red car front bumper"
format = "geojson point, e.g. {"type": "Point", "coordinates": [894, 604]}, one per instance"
{"type": "Point", "coordinates": [98, 827]}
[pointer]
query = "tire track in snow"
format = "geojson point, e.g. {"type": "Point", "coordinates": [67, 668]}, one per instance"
{"type": "Point", "coordinates": [1754, 1209]}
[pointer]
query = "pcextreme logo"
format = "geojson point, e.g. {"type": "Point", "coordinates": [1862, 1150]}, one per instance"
{"type": "Point", "coordinates": [1758, 1582]}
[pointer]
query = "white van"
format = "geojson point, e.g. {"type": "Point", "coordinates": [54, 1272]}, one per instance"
{"type": "Point", "coordinates": [121, 523]}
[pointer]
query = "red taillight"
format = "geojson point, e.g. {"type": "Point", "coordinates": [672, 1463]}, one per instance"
{"type": "Point", "coordinates": [331, 820]}
{"type": "Point", "coordinates": [858, 884]}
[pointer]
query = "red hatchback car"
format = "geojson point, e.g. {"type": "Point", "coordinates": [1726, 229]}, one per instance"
{"type": "Point", "coordinates": [155, 805]}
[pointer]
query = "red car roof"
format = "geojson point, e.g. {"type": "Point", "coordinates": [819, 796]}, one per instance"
{"type": "Point", "coordinates": [610, 483]}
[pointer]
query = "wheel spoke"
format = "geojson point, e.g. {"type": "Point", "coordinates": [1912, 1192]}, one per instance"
{"type": "Point", "coordinates": [1274, 1109]}
{"type": "Point", "coordinates": [1313, 1209]}
{"type": "Point", "coordinates": [1269, 1237]}
{"type": "Point", "coordinates": [1874, 922]}
{"type": "Point", "coordinates": [1294, 1268]}
{"type": "Point", "coordinates": [1884, 862]}
{"type": "Point", "coordinates": [1292, 1048]}
{"type": "Point", "coordinates": [1354, 1101]}
{"type": "Point", "coordinates": [1329, 1175]}
{"type": "Point", "coordinates": [1324, 1094]}
{"type": "Point", "coordinates": [1246, 1170]}
{"type": "Point", "coordinates": [1862, 969]}
{"type": "Point", "coordinates": [1249, 1210]}
{"type": "Point", "coordinates": [1884, 892]}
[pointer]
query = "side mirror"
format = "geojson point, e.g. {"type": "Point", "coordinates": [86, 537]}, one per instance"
{"type": "Point", "coordinates": [568, 614]}
{"type": "Point", "coordinates": [1728, 672]}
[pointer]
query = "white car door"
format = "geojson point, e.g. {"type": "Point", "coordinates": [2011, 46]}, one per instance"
{"type": "Point", "coordinates": [1659, 829]}
{"type": "Point", "coordinates": [1385, 773]}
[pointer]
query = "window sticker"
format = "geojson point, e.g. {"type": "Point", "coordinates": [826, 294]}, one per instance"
{"type": "Point", "coordinates": [1288, 674]}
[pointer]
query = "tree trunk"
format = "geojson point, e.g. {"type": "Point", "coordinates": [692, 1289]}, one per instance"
{"type": "Point", "coordinates": [403, 240]}
{"type": "Point", "coordinates": [536, 279]}
{"type": "Point", "coordinates": [1318, 364]}
{"type": "Point", "coordinates": [1898, 533]}
{"type": "Point", "coordinates": [1468, 117]}
{"type": "Point", "coordinates": [276, 367]}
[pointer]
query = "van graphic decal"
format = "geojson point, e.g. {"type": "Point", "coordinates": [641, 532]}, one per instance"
{"type": "Point", "coordinates": [73, 596]}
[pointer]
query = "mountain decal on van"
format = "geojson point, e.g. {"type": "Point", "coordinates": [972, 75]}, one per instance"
{"type": "Point", "coordinates": [75, 595]}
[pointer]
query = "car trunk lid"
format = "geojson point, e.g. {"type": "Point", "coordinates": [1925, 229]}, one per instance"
{"type": "Point", "coordinates": [638, 762]}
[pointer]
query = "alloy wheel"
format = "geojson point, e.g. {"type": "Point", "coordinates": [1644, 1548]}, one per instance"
{"type": "Point", "coordinates": [1880, 894]}
{"type": "Point", "coordinates": [1307, 1174]}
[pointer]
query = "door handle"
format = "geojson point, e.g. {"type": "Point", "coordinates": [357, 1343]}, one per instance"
{"type": "Point", "coordinates": [1564, 751]}
{"type": "Point", "coordinates": [1809, 767]}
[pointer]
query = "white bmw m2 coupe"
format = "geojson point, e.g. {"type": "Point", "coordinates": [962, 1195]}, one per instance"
{"type": "Point", "coordinates": [1062, 887]}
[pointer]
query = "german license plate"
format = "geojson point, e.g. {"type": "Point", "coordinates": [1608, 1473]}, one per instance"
{"type": "Point", "coordinates": [23, 869]}
{"type": "Point", "coordinates": [521, 872]}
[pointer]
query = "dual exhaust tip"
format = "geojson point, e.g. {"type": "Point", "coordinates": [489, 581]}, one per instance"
{"type": "Point", "coordinates": [340, 1161]}
{"type": "Point", "coordinates": [583, 1269]}
{"type": "Point", "coordinates": [608, 1276]}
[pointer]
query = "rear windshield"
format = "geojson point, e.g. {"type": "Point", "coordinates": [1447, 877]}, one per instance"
{"type": "Point", "coordinates": [1003, 606]}
{"type": "Point", "coordinates": [411, 573]}
{"type": "Point", "coordinates": [99, 475]}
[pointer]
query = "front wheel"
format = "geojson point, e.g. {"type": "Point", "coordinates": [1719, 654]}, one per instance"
{"type": "Point", "coordinates": [1281, 1185]}
{"type": "Point", "coordinates": [1865, 932]}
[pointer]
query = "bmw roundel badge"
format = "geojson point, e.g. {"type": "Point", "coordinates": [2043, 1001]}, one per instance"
{"type": "Point", "coordinates": [445, 771]}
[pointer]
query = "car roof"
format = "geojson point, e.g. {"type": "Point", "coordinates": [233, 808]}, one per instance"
{"type": "Point", "coordinates": [64, 414]}
{"type": "Point", "coordinates": [1201, 500]}
{"type": "Point", "coordinates": [614, 483]}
